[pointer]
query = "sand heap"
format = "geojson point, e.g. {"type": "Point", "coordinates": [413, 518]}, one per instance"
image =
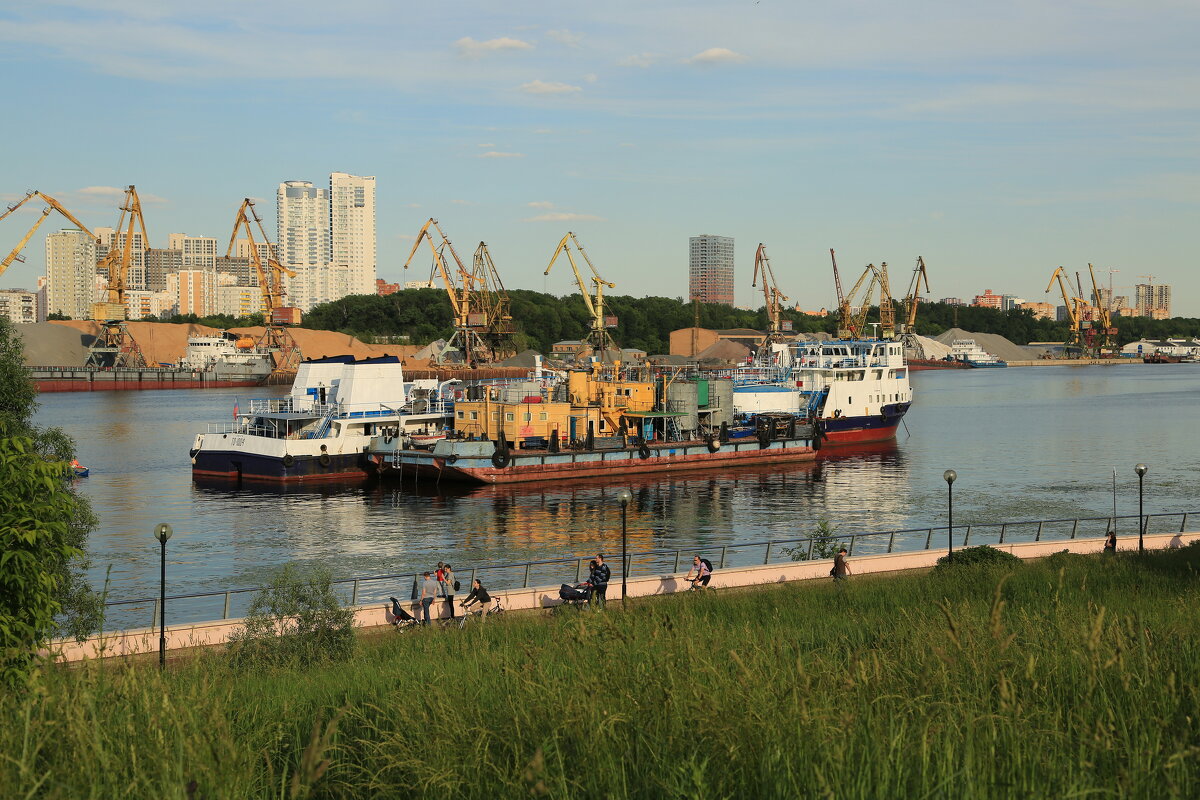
{"type": "Point", "coordinates": [992, 343]}
{"type": "Point", "coordinates": [48, 344]}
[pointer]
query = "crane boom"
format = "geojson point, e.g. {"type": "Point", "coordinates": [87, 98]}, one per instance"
{"type": "Point", "coordinates": [52, 205]}
{"type": "Point", "coordinates": [887, 311]}
{"type": "Point", "coordinates": [598, 333]}
{"type": "Point", "coordinates": [117, 261]}
{"type": "Point", "coordinates": [1072, 304]}
{"type": "Point", "coordinates": [270, 275]}
{"type": "Point", "coordinates": [855, 320]}
{"type": "Point", "coordinates": [15, 255]}
{"type": "Point", "coordinates": [913, 298]}
{"type": "Point", "coordinates": [772, 297]}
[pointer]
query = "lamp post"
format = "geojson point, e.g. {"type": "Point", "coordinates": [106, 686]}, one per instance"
{"type": "Point", "coordinates": [950, 476]}
{"type": "Point", "coordinates": [1141, 469]}
{"type": "Point", "coordinates": [623, 497]}
{"type": "Point", "coordinates": [162, 532]}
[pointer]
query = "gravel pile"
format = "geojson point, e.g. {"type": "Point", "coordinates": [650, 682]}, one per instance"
{"type": "Point", "coordinates": [992, 343]}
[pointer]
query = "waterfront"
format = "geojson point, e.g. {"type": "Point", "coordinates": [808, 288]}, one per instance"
{"type": "Point", "coordinates": [1026, 444]}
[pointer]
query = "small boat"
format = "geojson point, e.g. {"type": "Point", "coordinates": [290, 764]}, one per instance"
{"type": "Point", "coordinates": [79, 470]}
{"type": "Point", "coordinates": [426, 440]}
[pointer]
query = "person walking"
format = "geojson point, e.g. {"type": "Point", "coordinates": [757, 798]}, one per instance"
{"type": "Point", "coordinates": [448, 588]}
{"type": "Point", "coordinates": [841, 569]}
{"type": "Point", "coordinates": [429, 589]}
{"type": "Point", "coordinates": [598, 578]}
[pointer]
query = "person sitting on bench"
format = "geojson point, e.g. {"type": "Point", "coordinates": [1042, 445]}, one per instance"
{"type": "Point", "coordinates": [700, 573]}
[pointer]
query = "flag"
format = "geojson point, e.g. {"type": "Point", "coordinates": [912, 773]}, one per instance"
{"type": "Point", "coordinates": [235, 409]}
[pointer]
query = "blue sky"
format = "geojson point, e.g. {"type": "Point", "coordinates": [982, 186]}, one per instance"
{"type": "Point", "coordinates": [997, 140]}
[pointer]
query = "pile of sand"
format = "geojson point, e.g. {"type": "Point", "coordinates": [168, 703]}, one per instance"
{"type": "Point", "coordinates": [49, 344]}
{"type": "Point", "coordinates": [930, 349]}
{"type": "Point", "coordinates": [992, 343]}
{"type": "Point", "coordinates": [724, 350]}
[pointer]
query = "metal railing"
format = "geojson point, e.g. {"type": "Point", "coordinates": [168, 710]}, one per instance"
{"type": "Point", "coordinates": [571, 569]}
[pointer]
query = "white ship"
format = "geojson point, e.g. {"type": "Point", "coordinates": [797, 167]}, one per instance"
{"type": "Point", "coordinates": [228, 358]}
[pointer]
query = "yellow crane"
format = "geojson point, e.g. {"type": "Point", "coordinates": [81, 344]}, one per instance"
{"type": "Point", "coordinates": [483, 327]}
{"type": "Point", "coordinates": [276, 338]}
{"type": "Point", "coordinates": [772, 297]}
{"type": "Point", "coordinates": [1103, 311]}
{"type": "Point", "coordinates": [887, 311]}
{"type": "Point", "coordinates": [852, 320]}
{"type": "Point", "coordinates": [52, 205]}
{"type": "Point", "coordinates": [1075, 335]}
{"type": "Point", "coordinates": [114, 346]}
{"type": "Point", "coordinates": [913, 298]}
{"type": "Point", "coordinates": [597, 334]}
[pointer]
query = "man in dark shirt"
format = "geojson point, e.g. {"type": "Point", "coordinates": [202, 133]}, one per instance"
{"type": "Point", "coordinates": [598, 578]}
{"type": "Point", "coordinates": [840, 568]}
{"type": "Point", "coordinates": [478, 595]}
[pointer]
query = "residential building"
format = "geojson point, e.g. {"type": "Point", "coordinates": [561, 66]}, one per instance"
{"type": "Point", "coordinates": [158, 264]}
{"type": "Point", "coordinates": [108, 238]}
{"type": "Point", "coordinates": [1010, 301]}
{"type": "Point", "coordinates": [42, 285]}
{"type": "Point", "coordinates": [19, 306]}
{"type": "Point", "coordinates": [194, 291]}
{"type": "Point", "coordinates": [70, 273]}
{"type": "Point", "coordinates": [199, 252]}
{"type": "Point", "coordinates": [383, 288]}
{"type": "Point", "coordinates": [352, 232]}
{"type": "Point", "coordinates": [1040, 310]}
{"type": "Point", "coordinates": [430, 284]}
{"type": "Point", "coordinates": [238, 301]}
{"type": "Point", "coordinates": [952, 301]}
{"type": "Point", "coordinates": [140, 304]}
{"type": "Point", "coordinates": [266, 250]}
{"type": "Point", "coordinates": [1150, 297]}
{"type": "Point", "coordinates": [988, 300]}
{"type": "Point", "coordinates": [710, 269]}
{"type": "Point", "coordinates": [240, 267]}
{"type": "Point", "coordinates": [302, 215]}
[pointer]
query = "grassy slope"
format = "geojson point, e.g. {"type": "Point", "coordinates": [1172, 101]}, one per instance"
{"type": "Point", "coordinates": [1075, 676]}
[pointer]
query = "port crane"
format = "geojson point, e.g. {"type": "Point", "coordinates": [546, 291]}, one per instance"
{"type": "Point", "coordinates": [52, 205]}
{"type": "Point", "coordinates": [913, 298]}
{"type": "Point", "coordinates": [597, 335]}
{"type": "Point", "coordinates": [276, 338]}
{"type": "Point", "coordinates": [887, 310]}
{"type": "Point", "coordinates": [773, 298]}
{"type": "Point", "coordinates": [114, 345]}
{"type": "Point", "coordinates": [1075, 334]}
{"type": "Point", "coordinates": [483, 327]}
{"type": "Point", "coordinates": [851, 320]}
{"type": "Point", "coordinates": [1103, 311]}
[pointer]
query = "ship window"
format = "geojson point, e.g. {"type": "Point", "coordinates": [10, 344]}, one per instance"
{"type": "Point", "coordinates": [508, 417]}
{"type": "Point", "coordinates": [849, 400]}
{"type": "Point", "coordinates": [542, 417]}
{"type": "Point", "coordinates": [474, 415]}
{"type": "Point", "coordinates": [528, 416]}
{"type": "Point", "coordinates": [461, 415]}
{"type": "Point", "coordinates": [496, 416]}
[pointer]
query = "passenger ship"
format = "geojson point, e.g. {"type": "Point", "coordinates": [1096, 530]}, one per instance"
{"type": "Point", "coordinates": [322, 428]}
{"type": "Point", "coordinates": [856, 390]}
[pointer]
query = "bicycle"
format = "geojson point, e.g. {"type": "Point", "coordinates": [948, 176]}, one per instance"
{"type": "Point", "coordinates": [480, 612]}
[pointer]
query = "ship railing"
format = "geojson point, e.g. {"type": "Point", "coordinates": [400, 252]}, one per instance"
{"type": "Point", "coordinates": [232, 603]}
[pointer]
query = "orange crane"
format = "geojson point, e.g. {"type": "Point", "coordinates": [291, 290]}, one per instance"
{"type": "Point", "coordinates": [114, 345]}
{"type": "Point", "coordinates": [851, 320]}
{"type": "Point", "coordinates": [913, 298]}
{"type": "Point", "coordinates": [52, 205]}
{"type": "Point", "coordinates": [1075, 335]}
{"type": "Point", "coordinates": [276, 338]}
{"type": "Point", "coordinates": [887, 311]}
{"type": "Point", "coordinates": [483, 325]}
{"type": "Point", "coordinates": [772, 297]}
{"type": "Point", "coordinates": [597, 334]}
{"type": "Point", "coordinates": [1103, 310]}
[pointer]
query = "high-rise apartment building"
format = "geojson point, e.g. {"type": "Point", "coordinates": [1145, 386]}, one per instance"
{"type": "Point", "coordinates": [302, 236]}
{"type": "Point", "coordinates": [989, 300]}
{"type": "Point", "coordinates": [194, 291]}
{"type": "Point", "coordinates": [108, 238]}
{"type": "Point", "coordinates": [1152, 300]}
{"type": "Point", "coordinates": [158, 264]}
{"type": "Point", "coordinates": [70, 273]}
{"type": "Point", "coordinates": [352, 232]}
{"type": "Point", "coordinates": [19, 306]}
{"type": "Point", "coordinates": [710, 269]}
{"type": "Point", "coordinates": [199, 252]}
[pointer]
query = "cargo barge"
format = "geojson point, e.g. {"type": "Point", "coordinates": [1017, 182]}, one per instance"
{"type": "Point", "coordinates": [93, 379]}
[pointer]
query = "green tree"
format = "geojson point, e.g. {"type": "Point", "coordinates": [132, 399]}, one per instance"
{"type": "Point", "coordinates": [44, 526]}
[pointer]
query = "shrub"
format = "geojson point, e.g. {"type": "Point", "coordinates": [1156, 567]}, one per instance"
{"type": "Point", "coordinates": [977, 556]}
{"type": "Point", "coordinates": [296, 621]}
{"type": "Point", "coordinates": [824, 544]}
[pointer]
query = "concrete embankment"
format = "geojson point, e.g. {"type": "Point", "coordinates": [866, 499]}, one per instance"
{"type": "Point", "coordinates": [1076, 362]}
{"type": "Point", "coordinates": [202, 634]}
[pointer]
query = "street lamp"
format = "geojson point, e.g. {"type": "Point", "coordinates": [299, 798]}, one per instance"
{"type": "Point", "coordinates": [623, 497]}
{"type": "Point", "coordinates": [162, 532]}
{"type": "Point", "coordinates": [950, 476]}
{"type": "Point", "coordinates": [1141, 469]}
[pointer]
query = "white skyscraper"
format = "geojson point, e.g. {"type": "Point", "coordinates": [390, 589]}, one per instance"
{"type": "Point", "coordinates": [303, 241]}
{"type": "Point", "coordinates": [352, 230]}
{"type": "Point", "coordinates": [70, 273]}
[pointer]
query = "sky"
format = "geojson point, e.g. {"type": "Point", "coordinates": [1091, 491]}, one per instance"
{"type": "Point", "coordinates": [997, 141]}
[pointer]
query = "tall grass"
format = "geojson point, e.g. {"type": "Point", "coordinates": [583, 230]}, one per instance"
{"type": "Point", "coordinates": [1071, 677]}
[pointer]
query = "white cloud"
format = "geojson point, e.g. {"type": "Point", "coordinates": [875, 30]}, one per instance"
{"type": "Point", "coordinates": [487, 144]}
{"type": "Point", "coordinates": [115, 194]}
{"type": "Point", "coordinates": [548, 87]}
{"type": "Point", "coordinates": [569, 38]}
{"type": "Point", "coordinates": [564, 216]}
{"type": "Point", "coordinates": [591, 77]}
{"type": "Point", "coordinates": [495, 154]}
{"type": "Point", "coordinates": [639, 60]}
{"type": "Point", "coordinates": [716, 55]}
{"type": "Point", "coordinates": [470, 48]}
{"type": "Point", "coordinates": [540, 204]}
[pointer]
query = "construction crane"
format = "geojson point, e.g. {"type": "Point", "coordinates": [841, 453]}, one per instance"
{"type": "Point", "coordinates": [1103, 311]}
{"type": "Point", "coordinates": [887, 311]}
{"type": "Point", "coordinates": [843, 307]}
{"type": "Point", "coordinates": [483, 328]}
{"type": "Point", "coordinates": [597, 335]}
{"type": "Point", "coordinates": [114, 346]}
{"type": "Point", "coordinates": [913, 298]}
{"type": "Point", "coordinates": [276, 338]}
{"type": "Point", "coordinates": [52, 205]}
{"type": "Point", "coordinates": [1075, 335]}
{"type": "Point", "coordinates": [851, 320]}
{"type": "Point", "coordinates": [773, 298]}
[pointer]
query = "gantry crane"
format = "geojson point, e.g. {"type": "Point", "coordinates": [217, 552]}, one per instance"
{"type": "Point", "coordinates": [1075, 335]}
{"type": "Point", "coordinates": [114, 345]}
{"type": "Point", "coordinates": [483, 328]}
{"type": "Point", "coordinates": [1103, 312]}
{"type": "Point", "coordinates": [772, 297]}
{"type": "Point", "coordinates": [51, 206]}
{"type": "Point", "coordinates": [276, 338]}
{"type": "Point", "coordinates": [913, 298]}
{"type": "Point", "coordinates": [597, 335]}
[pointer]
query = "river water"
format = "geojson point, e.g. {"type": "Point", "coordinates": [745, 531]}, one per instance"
{"type": "Point", "coordinates": [1027, 443]}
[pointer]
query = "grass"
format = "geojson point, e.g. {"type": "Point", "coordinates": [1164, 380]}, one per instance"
{"type": "Point", "coordinates": [1075, 676]}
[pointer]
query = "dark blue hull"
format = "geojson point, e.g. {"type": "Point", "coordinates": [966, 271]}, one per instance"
{"type": "Point", "coordinates": [235, 465]}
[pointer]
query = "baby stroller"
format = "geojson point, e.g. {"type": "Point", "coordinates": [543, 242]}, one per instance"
{"type": "Point", "coordinates": [400, 617]}
{"type": "Point", "coordinates": [576, 595]}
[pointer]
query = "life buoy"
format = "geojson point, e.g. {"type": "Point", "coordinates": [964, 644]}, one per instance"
{"type": "Point", "coordinates": [837, 414]}
{"type": "Point", "coordinates": [643, 450]}
{"type": "Point", "coordinates": [450, 459]}
{"type": "Point", "coordinates": [324, 460]}
{"type": "Point", "coordinates": [288, 460]}
{"type": "Point", "coordinates": [713, 445]}
{"type": "Point", "coordinates": [501, 458]}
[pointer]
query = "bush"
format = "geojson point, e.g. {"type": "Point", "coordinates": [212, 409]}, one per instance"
{"type": "Point", "coordinates": [295, 622]}
{"type": "Point", "coordinates": [977, 556]}
{"type": "Point", "coordinates": [824, 544]}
